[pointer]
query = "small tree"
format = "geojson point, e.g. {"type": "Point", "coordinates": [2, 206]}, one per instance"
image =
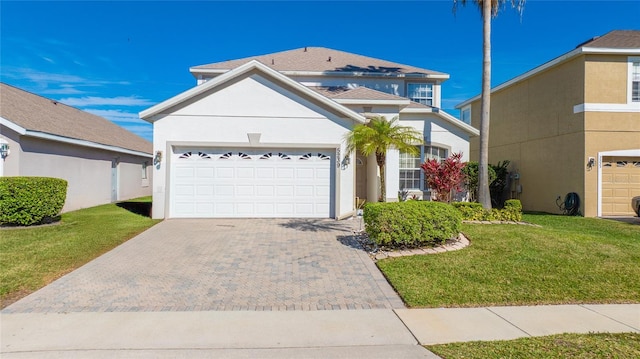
{"type": "Point", "coordinates": [377, 136]}
{"type": "Point", "coordinates": [444, 177]}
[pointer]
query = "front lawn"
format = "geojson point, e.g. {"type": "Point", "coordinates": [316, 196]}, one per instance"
{"type": "Point", "coordinates": [30, 258]}
{"type": "Point", "coordinates": [567, 260]}
{"type": "Point", "coordinates": [584, 346]}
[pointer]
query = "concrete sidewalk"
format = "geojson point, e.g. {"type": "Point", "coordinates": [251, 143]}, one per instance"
{"type": "Point", "coordinates": [447, 325]}
{"type": "Point", "coordinates": [380, 333]}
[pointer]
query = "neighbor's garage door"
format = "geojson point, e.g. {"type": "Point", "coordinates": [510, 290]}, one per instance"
{"type": "Point", "coordinates": [250, 183]}
{"type": "Point", "coordinates": [620, 183]}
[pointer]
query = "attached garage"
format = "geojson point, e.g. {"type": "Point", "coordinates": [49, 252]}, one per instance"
{"type": "Point", "coordinates": [244, 182]}
{"type": "Point", "coordinates": [620, 183]}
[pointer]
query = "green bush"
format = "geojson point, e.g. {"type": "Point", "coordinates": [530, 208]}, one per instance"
{"type": "Point", "coordinates": [472, 211]}
{"type": "Point", "coordinates": [31, 200]}
{"type": "Point", "coordinates": [411, 223]}
{"type": "Point", "coordinates": [512, 210]}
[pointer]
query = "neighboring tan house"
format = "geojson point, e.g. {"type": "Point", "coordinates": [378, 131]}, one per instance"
{"type": "Point", "coordinates": [101, 161]}
{"type": "Point", "coordinates": [264, 136]}
{"type": "Point", "coordinates": [571, 125]}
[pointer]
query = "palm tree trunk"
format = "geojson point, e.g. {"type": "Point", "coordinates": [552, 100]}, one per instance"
{"type": "Point", "coordinates": [380, 158]}
{"type": "Point", "coordinates": [484, 196]}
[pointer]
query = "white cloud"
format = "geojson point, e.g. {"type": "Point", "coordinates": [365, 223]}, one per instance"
{"type": "Point", "coordinates": [106, 101]}
{"type": "Point", "coordinates": [118, 116]}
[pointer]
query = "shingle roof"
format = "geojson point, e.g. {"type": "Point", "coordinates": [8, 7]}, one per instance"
{"type": "Point", "coordinates": [358, 93]}
{"type": "Point", "coordinates": [617, 39]}
{"type": "Point", "coordinates": [36, 113]}
{"type": "Point", "coordinates": [320, 59]}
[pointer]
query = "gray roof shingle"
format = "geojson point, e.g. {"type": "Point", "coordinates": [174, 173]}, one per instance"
{"type": "Point", "coordinates": [36, 113]}
{"type": "Point", "coordinates": [617, 39]}
{"type": "Point", "coordinates": [320, 59]}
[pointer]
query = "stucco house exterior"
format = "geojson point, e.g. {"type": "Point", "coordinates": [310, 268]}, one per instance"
{"type": "Point", "coordinates": [264, 136]}
{"type": "Point", "coordinates": [101, 161]}
{"type": "Point", "coordinates": [571, 125]}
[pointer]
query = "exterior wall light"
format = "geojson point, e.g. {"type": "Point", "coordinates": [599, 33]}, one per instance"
{"type": "Point", "coordinates": [157, 158]}
{"type": "Point", "coordinates": [591, 162]}
{"type": "Point", "coordinates": [4, 148]}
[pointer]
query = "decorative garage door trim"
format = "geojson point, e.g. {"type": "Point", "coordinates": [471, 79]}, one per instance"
{"type": "Point", "coordinates": [241, 182]}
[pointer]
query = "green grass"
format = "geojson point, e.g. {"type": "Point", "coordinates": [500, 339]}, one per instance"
{"type": "Point", "coordinates": [568, 260]}
{"type": "Point", "coordinates": [30, 258]}
{"type": "Point", "coordinates": [583, 346]}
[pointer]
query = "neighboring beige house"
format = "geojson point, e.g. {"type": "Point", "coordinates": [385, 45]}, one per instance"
{"type": "Point", "coordinates": [571, 125]}
{"type": "Point", "coordinates": [101, 161]}
{"type": "Point", "coordinates": [264, 136]}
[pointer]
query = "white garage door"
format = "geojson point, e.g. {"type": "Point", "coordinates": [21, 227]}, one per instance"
{"type": "Point", "coordinates": [251, 183]}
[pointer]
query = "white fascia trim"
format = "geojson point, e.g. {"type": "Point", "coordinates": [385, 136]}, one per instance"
{"type": "Point", "coordinates": [613, 51]}
{"type": "Point", "coordinates": [607, 107]}
{"type": "Point", "coordinates": [350, 101]}
{"type": "Point", "coordinates": [195, 72]}
{"type": "Point", "coordinates": [249, 66]}
{"type": "Point", "coordinates": [554, 62]}
{"type": "Point", "coordinates": [447, 117]}
{"type": "Point", "coordinates": [19, 129]}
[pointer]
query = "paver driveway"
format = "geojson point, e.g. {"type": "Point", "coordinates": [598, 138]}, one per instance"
{"type": "Point", "coordinates": [224, 264]}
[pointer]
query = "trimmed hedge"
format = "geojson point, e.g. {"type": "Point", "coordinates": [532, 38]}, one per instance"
{"type": "Point", "coordinates": [31, 200]}
{"type": "Point", "coordinates": [473, 211]}
{"type": "Point", "coordinates": [411, 223]}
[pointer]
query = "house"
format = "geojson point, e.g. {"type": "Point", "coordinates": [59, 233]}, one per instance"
{"type": "Point", "coordinates": [264, 136]}
{"type": "Point", "coordinates": [571, 125]}
{"type": "Point", "coordinates": [101, 161]}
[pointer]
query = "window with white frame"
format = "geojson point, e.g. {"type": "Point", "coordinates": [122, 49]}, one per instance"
{"type": "Point", "coordinates": [421, 93]}
{"type": "Point", "coordinates": [410, 171]}
{"type": "Point", "coordinates": [634, 78]}
{"type": "Point", "coordinates": [411, 175]}
{"type": "Point", "coordinates": [144, 170]}
{"type": "Point", "coordinates": [465, 114]}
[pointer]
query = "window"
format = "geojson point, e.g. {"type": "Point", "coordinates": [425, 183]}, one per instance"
{"type": "Point", "coordinates": [410, 171]}
{"type": "Point", "coordinates": [421, 93]}
{"type": "Point", "coordinates": [144, 169]}
{"type": "Point", "coordinates": [411, 176]}
{"type": "Point", "coordinates": [465, 114]}
{"type": "Point", "coordinates": [635, 80]}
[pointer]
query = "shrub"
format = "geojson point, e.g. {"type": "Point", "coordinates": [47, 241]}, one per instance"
{"type": "Point", "coordinates": [411, 224]}
{"type": "Point", "coordinates": [499, 185]}
{"type": "Point", "coordinates": [443, 177]}
{"type": "Point", "coordinates": [471, 175]}
{"type": "Point", "coordinates": [512, 210]}
{"type": "Point", "coordinates": [31, 200]}
{"type": "Point", "coordinates": [472, 211]}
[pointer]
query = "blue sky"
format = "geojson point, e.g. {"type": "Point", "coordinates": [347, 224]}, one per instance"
{"type": "Point", "coordinates": [117, 58]}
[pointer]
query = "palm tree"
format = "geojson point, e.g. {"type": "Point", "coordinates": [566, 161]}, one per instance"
{"type": "Point", "coordinates": [377, 136]}
{"type": "Point", "coordinates": [489, 10]}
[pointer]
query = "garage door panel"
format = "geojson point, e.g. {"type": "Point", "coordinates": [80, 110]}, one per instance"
{"type": "Point", "coordinates": [620, 183]}
{"type": "Point", "coordinates": [250, 183]}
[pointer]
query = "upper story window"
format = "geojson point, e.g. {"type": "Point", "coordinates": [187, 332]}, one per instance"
{"type": "Point", "coordinates": [465, 114]}
{"type": "Point", "coordinates": [634, 78]}
{"type": "Point", "coordinates": [421, 93]}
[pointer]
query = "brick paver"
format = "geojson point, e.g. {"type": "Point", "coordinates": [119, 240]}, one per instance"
{"type": "Point", "coordinates": [224, 264]}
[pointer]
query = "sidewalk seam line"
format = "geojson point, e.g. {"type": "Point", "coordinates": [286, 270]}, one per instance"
{"type": "Point", "coordinates": [608, 317]}
{"type": "Point", "coordinates": [406, 326]}
{"type": "Point", "coordinates": [508, 321]}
